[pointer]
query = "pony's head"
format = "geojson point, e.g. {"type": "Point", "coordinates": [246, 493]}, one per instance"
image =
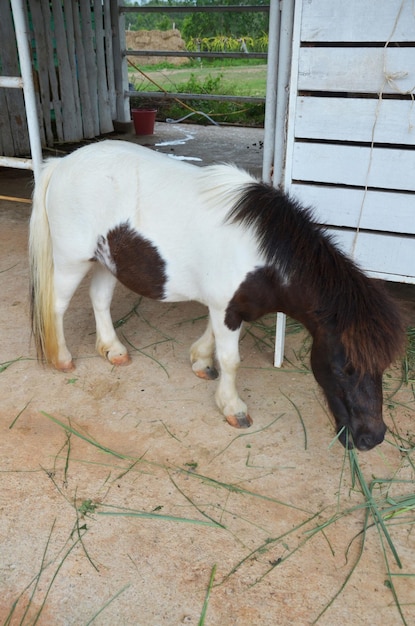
{"type": "Point", "coordinates": [357, 328]}
{"type": "Point", "coordinates": [352, 348]}
{"type": "Point", "coordinates": [354, 396]}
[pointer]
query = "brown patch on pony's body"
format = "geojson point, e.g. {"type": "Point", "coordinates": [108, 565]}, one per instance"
{"type": "Point", "coordinates": [134, 260]}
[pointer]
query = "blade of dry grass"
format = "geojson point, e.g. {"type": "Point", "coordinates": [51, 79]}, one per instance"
{"type": "Point", "coordinates": [300, 417]}
{"type": "Point", "coordinates": [206, 602]}
{"type": "Point", "coordinates": [126, 512]}
{"type": "Point", "coordinates": [193, 503]}
{"type": "Point", "coordinates": [19, 414]}
{"type": "Point", "coordinates": [235, 489]}
{"type": "Point", "coordinates": [247, 434]}
{"type": "Point", "coordinates": [75, 432]}
{"type": "Point", "coordinates": [108, 603]}
{"type": "Point", "coordinates": [6, 364]}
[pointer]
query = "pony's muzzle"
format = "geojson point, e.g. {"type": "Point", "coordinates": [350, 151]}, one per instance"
{"type": "Point", "coordinates": [363, 439]}
{"type": "Point", "coordinates": [367, 440]}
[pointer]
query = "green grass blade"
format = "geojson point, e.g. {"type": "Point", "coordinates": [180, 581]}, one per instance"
{"type": "Point", "coordinates": [206, 602]}
{"type": "Point", "coordinates": [108, 603]}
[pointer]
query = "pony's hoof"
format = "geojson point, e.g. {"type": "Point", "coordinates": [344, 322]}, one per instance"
{"type": "Point", "coordinates": [240, 420]}
{"type": "Point", "coordinates": [120, 359]}
{"type": "Point", "coordinates": [66, 367]}
{"type": "Point", "coordinates": [209, 373]}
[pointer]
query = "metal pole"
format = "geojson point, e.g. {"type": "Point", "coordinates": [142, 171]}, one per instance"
{"type": "Point", "coordinates": [284, 65]}
{"type": "Point", "coordinates": [22, 38]}
{"type": "Point", "coordinates": [283, 79]}
{"type": "Point", "coordinates": [271, 92]}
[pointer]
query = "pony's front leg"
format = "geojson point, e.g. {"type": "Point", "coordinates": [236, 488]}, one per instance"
{"type": "Point", "coordinates": [101, 292]}
{"type": "Point", "coordinates": [201, 355]}
{"type": "Point", "coordinates": [227, 352]}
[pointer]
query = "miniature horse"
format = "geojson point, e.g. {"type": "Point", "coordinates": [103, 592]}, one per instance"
{"type": "Point", "coordinates": [173, 231]}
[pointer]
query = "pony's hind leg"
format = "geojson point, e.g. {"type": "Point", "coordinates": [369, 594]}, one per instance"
{"type": "Point", "coordinates": [66, 281]}
{"type": "Point", "coordinates": [227, 352]}
{"type": "Point", "coordinates": [201, 355]}
{"type": "Point", "coordinates": [101, 292]}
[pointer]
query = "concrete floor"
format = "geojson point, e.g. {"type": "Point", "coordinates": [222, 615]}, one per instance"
{"type": "Point", "coordinates": [204, 145]}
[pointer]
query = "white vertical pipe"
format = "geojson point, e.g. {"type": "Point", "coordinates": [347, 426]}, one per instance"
{"type": "Point", "coordinates": [279, 339]}
{"type": "Point", "coordinates": [271, 91]}
{"type": "Point", "coordinates": [22, 38]}
{"type": "Point", "coordinates": [284, 65]}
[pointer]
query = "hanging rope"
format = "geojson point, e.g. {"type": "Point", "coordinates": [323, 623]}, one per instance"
{"type": "Point", "coordinates": [389, 78]}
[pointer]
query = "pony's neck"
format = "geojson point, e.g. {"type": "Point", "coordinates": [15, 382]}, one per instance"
{"type": "Point", "coordinates": [262, 292]}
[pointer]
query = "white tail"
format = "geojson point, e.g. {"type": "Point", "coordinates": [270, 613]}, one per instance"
{"type": "Point", "coordinates": [41, 271]}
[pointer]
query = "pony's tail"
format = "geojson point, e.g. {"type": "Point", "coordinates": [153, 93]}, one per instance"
{"type": "Point", "coordinates": [41, 271]}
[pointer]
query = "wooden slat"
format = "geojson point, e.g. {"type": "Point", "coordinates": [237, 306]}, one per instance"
{"type": "Point", "coordinates": [87, 114]}
{"type": "Point", "coordinates": [109, 55]}
{"type": "Point", "coordinates": [105, 119]}
{"type": "Point", "coordinates": [70, 113]}
{"type": "Point", "coordinates": [6, 135]}
{"type": "Point", "coordinates": [373, 210]}
{"type": "Point", "coordinates": [365, 70]}
{"type": "Point", "coordinates": [382, 168]}
{"type": "Point", "coordinates": [90, 61]}
{"type": "Point", "coordinates": [358, 20]}
{"type": "Point", "coordinates": [356, 119]}
{"type": "Point", "coordinates": [386, 256]}
{"type": "Point", "coordinates": [41, 69]}
{"type": "Point", "coordinates": [16, 139]}
{"type": "Point", "coordinates": [51, 68]}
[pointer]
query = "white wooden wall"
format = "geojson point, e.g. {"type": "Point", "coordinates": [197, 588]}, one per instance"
{"type": "Point", "coordinates": [351, 127]}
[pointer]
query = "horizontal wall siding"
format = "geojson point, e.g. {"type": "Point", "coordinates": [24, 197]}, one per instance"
{"type": "Point", "coordinates": [382, 255]}
{"type": "Point", "coordinates": [385, 168]}
{"type": "Point", "coordinates": [341, 206]}
{"type": "Point", "coordinates": [363, 119]}
{"type": "Point", "coordinates": [351, 127]}
{"type": "Point", "coordinates": [366, 70]}
{"type": "Point", "coordinates": [357, 20]}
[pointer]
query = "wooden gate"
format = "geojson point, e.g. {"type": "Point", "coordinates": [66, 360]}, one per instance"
{"type": "Point", "coordinates": [351, 127]}
{"type": "Point", "coordinates": [71, 45]}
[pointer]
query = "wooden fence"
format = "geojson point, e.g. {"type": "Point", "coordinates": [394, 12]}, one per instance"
{"type": "Point", "coordinates": [71, 43]}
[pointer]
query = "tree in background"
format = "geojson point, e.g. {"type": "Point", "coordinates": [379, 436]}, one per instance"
{"type": "Point", "coordinates": [225, 24]}
{"type": "Point", "coordinates": [202, 25]}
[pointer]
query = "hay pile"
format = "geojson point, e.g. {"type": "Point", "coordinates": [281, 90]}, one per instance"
{"type": "Point", "coordinates": [170, 40]}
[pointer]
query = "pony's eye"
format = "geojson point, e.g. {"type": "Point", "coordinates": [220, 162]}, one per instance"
{"type": "Point", "coordinates": [349, 370]}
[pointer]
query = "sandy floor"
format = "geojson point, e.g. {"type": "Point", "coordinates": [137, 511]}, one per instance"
{"type": "Point", "coordinates": [123, 492]}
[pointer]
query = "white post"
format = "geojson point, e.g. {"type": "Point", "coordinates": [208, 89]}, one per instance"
{"type": "Point", "coordinates": [284, 65]}
{"type": "Point", "coordinates": [271, 92]}
{"type": "Point", "coordinates": [22, 38]}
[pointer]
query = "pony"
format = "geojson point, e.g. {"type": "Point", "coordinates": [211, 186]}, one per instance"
{"type": "Point", "coordinates": [173, 231]}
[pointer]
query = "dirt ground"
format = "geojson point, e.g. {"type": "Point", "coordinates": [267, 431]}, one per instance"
{"type": "Point", "coordinates": [125, 497]}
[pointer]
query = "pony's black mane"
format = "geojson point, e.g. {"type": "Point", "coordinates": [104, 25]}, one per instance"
{"type": "Point", "coordinates": [302, 252]}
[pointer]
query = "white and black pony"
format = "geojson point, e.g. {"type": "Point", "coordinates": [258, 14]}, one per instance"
{"type": "Point", "coordinates": [172, 231]}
